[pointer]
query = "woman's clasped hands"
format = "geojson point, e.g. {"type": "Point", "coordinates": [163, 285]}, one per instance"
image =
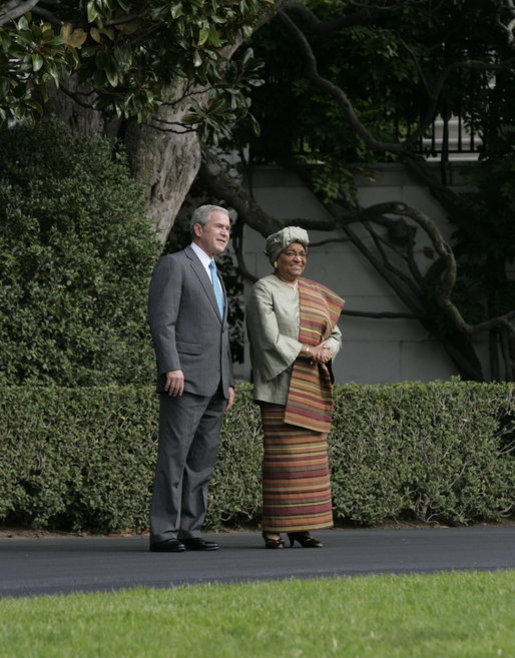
{"type": "Point", "coordinates": [320, 353]}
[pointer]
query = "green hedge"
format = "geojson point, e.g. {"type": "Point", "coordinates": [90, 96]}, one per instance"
{"type": "Point", "coordinates": [76, 255]}
{"type": "Point", "coordinates": [83, 458]}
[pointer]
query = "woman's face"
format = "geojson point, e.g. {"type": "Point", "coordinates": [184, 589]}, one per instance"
{"type": "Point", "coordinates": [291, 262]}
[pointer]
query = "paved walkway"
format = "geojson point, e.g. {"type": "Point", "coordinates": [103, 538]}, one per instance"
{"type": "Point", "coordinates": [63, 565]}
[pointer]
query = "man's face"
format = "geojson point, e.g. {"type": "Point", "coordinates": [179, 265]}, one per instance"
{"type": "Point", "coordinates": [214, 236]}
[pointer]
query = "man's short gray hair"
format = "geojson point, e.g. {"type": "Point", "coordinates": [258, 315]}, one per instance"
{"type": "Point", "coordinates": [201, 216]}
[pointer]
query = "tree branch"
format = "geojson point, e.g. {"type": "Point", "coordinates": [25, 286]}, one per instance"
{"type": "Point", "coordinates": [509, 28]}
{"type": "Point", "coordinates": [75, 97]}
{"type": "Point", "coordinates": [15, 9]}
{"type": "Point", "coordinates": [316, 26]}
{"type": "Point", "coordinates": [341, 98]}
{"type": "Point", "coordinates": [409, 300]}
{"type": "Point", "coordinates": [457, 341]}
{"type": "Point", "coordinates": [365, 13]}
{"type": "Point", "coordinates": [380, 315]}
{"type": "Point", "coordinates": [378, 241]}
{"type": "Point", "coordinates": [126, 19]}
{"type": "Point", "coordinates": [227, 188]}
{"type": "Point", "coordinates": [420, 168]}
{"type": "Point", "coordinates": [334, 91]}
{"type": "Point", "coordinates": [237, 241]}
{"type": "Point", "coordinates": [501, 320]}
{"type": "Point", "coordinates": [47, 15]}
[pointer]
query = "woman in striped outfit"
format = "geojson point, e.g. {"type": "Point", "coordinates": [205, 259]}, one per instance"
{"type": "Point", "coordinates": [293, 333]}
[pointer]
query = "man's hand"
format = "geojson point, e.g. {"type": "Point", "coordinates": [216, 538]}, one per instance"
{"type": "Point", "coordinates": [174, 385]}
{"type": "Point", "coordinates": [230, 399]}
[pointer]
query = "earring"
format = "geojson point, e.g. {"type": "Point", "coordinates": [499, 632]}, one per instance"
{"type": "Point", "coordinates": [275, 264]}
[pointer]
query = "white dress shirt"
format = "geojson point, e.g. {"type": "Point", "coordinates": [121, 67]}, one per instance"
{"type": "Point", "coordinates": [203, 257]}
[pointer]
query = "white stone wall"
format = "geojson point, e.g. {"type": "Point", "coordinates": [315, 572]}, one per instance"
{"type": "Point", "coordinates": [374, 351]}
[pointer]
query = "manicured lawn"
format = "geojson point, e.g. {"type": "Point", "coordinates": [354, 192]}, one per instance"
{"type": "Point", "coordinates": [458, 614]}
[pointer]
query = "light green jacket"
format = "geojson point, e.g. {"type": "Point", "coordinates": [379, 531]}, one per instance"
{"type": "Point", "coordinates": [273, 330]}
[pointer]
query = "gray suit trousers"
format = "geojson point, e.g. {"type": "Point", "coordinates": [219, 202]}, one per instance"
{"type": "Point", "coordinates": [189, 431]}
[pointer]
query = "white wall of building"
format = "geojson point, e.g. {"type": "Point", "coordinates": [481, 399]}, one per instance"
{"type": "Point", "coordinates": [374, 351]}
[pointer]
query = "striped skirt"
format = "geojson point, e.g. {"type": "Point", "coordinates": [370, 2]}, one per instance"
{"type": "Point", "coordinates": [296, 487]}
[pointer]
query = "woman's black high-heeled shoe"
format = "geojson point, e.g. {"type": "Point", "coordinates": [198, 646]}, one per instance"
{"type": "Point", "coordinates": [273, 542]}
{"type": "Point", "coordinates": [304, 539]}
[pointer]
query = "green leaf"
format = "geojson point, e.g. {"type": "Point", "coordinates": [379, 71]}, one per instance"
{"type": "Point", "coordinates": [23, 24]}
{"type": "Point", "coordinates": [123, 57]}
{"type": "Point", "coordinates": [203, 36]}
{"type": "Point", "coordinates": [248, 56]}
{"type": "Point", "coordinates": [37, 62]}
{"type": "Point", "coordinates": [92, 11]}
{"type": "Point", "coordinates": [55, 77]}
{"type": "Point", "coordinates": [214, 38]}
{"type": "Point", "coordinates": [112, 76]}
{"type": "Point", "coordinates": [176, 10]}
{"type": "Point", "coordinates": [191, 118]}
{"type": "Point", "coordinates": [197, 59]}
{"type": "Point", "coordinates": [4, 86]}
{"type": "Point", "coordinates": [5, 39]}
{"type": "Point", "coordinates": [256, 128]}
{"type": "Point", "coordinates": [55, 41]}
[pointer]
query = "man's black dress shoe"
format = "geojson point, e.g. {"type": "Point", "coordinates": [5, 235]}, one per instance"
{"type": "Point", "coordinates": [198, 544]}
{"type": "Point", "coordinates": [168, 546]}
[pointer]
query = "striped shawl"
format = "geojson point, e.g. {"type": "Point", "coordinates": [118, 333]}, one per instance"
{"type": "Point", "coordinates": [310, 399]}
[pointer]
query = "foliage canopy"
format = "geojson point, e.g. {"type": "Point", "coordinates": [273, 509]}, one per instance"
{"type": "Point", "coordinates": [127, 52]}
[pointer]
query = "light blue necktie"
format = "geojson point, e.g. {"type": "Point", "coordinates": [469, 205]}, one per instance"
{"type": "Point", "coordinates": [216, 287]}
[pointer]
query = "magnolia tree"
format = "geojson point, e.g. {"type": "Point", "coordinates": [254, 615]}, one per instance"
{"type": "Point", "coordinates": [160, 75]}
{"type": "Point", "coordinates": [351, 82]}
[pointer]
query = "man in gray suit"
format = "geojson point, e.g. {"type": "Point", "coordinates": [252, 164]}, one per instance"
{"type": "Point", "coordinates": [188, 323]}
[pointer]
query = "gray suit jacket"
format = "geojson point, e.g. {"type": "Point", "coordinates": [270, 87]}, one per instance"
{"type": "Point", "coordinates": [187, 331]}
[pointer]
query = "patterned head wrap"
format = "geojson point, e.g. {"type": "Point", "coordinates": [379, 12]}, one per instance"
{"type": "Point", "coordinates": [278, 242]}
